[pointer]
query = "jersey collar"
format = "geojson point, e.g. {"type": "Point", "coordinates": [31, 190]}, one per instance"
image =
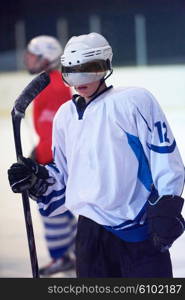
{"type": "Point", "coordinates": [81, 104]}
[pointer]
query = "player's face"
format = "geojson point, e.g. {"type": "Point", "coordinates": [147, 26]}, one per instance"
{"type": "Point", "coordinates": [86, 90]}
{"type": "Point", "coordinates": [33, 63]}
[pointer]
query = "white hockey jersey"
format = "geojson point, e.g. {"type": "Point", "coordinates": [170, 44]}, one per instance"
{"type": "Point", "coordinates": [110, 157]}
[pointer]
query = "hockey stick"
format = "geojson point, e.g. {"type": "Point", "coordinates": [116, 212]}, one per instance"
{"type": "Point", "coordinates": [21, 103]}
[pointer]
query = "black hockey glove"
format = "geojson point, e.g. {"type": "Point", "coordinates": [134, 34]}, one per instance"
{"type": "Point", "coordinates": [165, 221]}
{"type": "Point", "coordinates": [25, 174]}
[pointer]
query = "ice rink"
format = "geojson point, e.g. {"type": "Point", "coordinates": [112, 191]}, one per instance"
{"type": "Point", "coordinates": [168, 86]}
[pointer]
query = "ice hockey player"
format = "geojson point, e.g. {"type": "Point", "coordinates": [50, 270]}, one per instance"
{"type": "Point", "coordinates": [117, 166]}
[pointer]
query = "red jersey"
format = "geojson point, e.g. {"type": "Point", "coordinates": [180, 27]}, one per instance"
{"type": "Point", "coordinates": [45, 105]}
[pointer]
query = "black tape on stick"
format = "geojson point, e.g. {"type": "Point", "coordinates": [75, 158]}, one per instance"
{"type": "Point", "coordinates": [31, 91]}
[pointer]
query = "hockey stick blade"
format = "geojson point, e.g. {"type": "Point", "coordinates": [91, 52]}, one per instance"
{"type": "Point", "coordinates": [30, 92]}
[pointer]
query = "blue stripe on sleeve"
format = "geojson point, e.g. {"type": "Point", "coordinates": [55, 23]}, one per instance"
{"type": "Point", "coordinates": [52, 207]}
{"type": "Point", "coordinates": [53, 166]}
{"type": "Point", "coordinates": [47, 199]}
{"type": "Point", "coordinates": [162, 149]}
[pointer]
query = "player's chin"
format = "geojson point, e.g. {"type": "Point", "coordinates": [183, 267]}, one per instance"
{"type": "Point", "coordinates": [82, 90]}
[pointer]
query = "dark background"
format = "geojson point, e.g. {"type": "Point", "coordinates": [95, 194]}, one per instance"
{"type": "Point", "coordinates": [164, 24]}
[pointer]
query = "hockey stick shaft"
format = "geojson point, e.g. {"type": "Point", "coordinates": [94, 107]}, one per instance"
{"type": "Point", "coordinates": [28, 94]}
{"type": "Point", "coordinates": [26, 204]}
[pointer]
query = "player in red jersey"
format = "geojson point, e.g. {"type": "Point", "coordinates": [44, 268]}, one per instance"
{"type": "Point", "coordinates": [43, 54]}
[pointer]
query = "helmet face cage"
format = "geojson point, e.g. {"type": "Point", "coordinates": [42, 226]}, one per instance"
{"type": "Point", "coordinates": [85, 73]}
{"type": "Point", "coordinates": [77, 79]}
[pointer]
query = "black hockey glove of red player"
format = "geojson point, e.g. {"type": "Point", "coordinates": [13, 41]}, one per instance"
{"type": "Point", "coordinates": [28, 175]}
{"type": "Point", "coordinates": [165, 221]}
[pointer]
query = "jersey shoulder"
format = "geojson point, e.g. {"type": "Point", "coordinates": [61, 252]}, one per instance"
{"type": "Point", "coordinates": [134, 94]}
{"type": "Point", "coordinates": [134, 98]}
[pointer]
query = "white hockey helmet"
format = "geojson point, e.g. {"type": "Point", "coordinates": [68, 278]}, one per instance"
{"type": "Point", "coordinates": [87, 58]}
{"type": "Point", "coordinates": [46, 47]}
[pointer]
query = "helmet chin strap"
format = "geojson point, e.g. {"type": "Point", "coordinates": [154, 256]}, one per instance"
{"type": "Point", "coordinates": [102, 80]}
